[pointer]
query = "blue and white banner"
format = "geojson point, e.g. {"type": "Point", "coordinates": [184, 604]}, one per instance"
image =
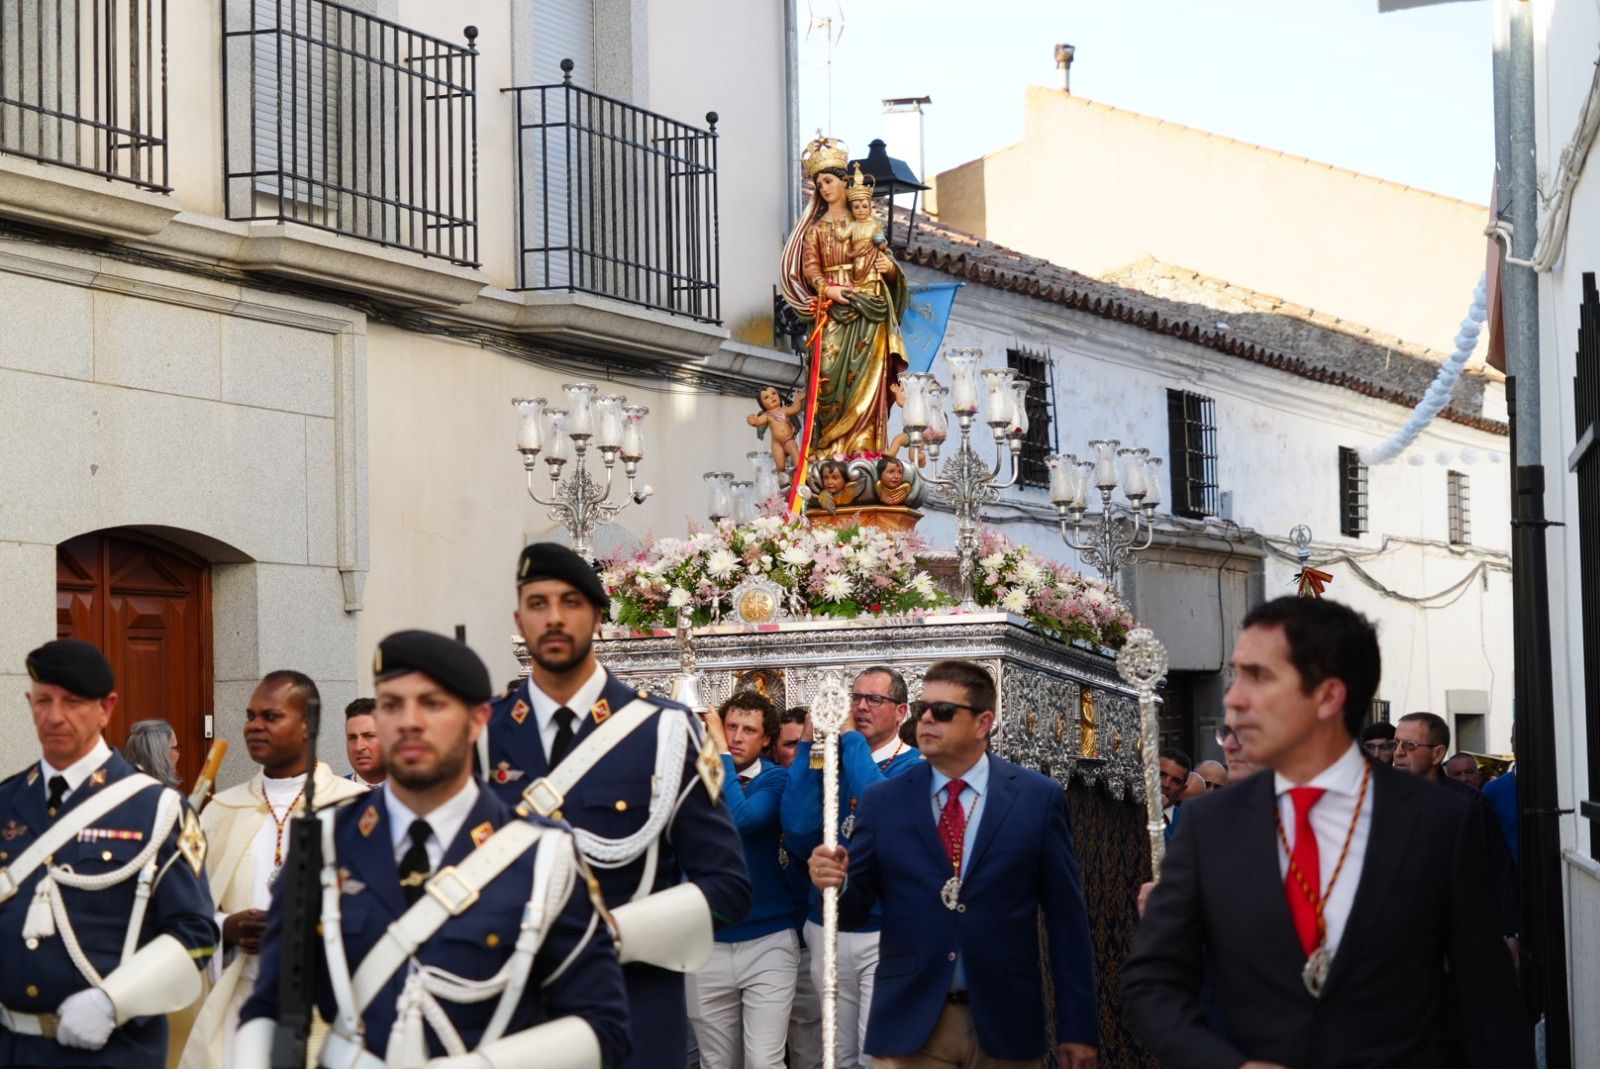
{"type": "Point", "coordinates": [927, 316]}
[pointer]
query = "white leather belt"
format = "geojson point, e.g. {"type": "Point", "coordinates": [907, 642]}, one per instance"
{"type": "Point", "coordinates": [339, 1052]}
{"type": "Point", "coordinates": [29, 1024]}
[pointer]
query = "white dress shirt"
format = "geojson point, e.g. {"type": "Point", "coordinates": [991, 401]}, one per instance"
{"type": "Point", "coordinates": [444, 822]}
{"type": "Point", "coordinates": [544, 707]}
{"type": "Point", "coordinates": [78, 771]}
{"type": "Point", "coordinates": [1330, 820]}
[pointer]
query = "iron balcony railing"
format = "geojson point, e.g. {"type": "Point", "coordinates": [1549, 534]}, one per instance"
{"type": "Point", "coordinates": [83, 84]}
{"type": "Point", "coordinates": [354, 124]}
{"type": "Point", "coordinates": [616, 201]}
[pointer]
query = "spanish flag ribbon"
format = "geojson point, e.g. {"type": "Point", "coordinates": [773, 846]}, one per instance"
{"type": "Point", "coordinates": [814, 349]}
{"type": "Point", "coordinates": [1313, 582]}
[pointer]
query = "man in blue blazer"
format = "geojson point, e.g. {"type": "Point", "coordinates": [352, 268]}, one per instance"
{"type": "Point", "coordinates": [964, 851]}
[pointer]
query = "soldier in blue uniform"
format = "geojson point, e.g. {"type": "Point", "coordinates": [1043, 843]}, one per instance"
{"type": "Point", "coordinates": [636, 778]}
{"type": "Point", "coordinates": [105, 915]}
{"type": "Point", "coordinates": [457, 931]}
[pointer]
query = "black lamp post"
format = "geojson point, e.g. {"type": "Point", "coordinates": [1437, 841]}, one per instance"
{"type": "Point", "coordinates": [891, 177]}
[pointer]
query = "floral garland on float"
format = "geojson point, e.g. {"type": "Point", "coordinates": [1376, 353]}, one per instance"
{"type": "Point", "coordinates": [819, 571]}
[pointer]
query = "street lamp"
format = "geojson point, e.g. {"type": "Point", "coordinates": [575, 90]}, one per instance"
{"type": "Point", "coordinates": [966, 481]}
{"type": "Point", "coordinates": [1118, 531]}
{"type": "Point", "coordinates": [607, 423]}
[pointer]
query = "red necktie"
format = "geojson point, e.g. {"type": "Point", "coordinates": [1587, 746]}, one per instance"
{"type": "Point", "coordinates": [953, 823]}
{"type": "Point", "coordinates": [1303, 882]}
{"type": "Point", "coordinates": [744, 780]}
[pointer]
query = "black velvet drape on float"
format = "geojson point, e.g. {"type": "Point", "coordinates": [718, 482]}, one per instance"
{"type": "Point", "coordinates": [1113, 860]}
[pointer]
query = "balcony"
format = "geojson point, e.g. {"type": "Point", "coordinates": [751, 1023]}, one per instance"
{"type": "Point", "coordinates": [83, 84]}
{"type": "Point", "coordinates": [352, 124]}
{"type": "Point", "coordinates": [615, 201]}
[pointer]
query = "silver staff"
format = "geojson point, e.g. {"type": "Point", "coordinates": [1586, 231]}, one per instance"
{"type": "Point", "coordinates": [828, 712]}
{"type": "Point", "coordinates": [1142, 661]}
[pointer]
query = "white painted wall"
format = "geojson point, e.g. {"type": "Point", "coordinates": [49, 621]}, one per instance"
{"type": "Point", "coordinates": [1567, 38]}
{"type": "Point", "coordinates": [1278, 441]}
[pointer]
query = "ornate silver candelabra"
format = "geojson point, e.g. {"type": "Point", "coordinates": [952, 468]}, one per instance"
{"type": "Point", "coordinates": [610, 424]}
{"type": "Point", "coordinates": [1117, 531]}
{"type": "Point", "coordinates": [966, 481]}
{"type": "Point", "coordinates": [1142, 661]}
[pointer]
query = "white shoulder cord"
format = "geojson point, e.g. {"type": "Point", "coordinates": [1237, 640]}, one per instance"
{"type": "Point", "coordinates": [47, 913]}
{"type": "Point", "coordinates": [347, 1023]}
{"type": "Point", "coordinates": [672, 745]}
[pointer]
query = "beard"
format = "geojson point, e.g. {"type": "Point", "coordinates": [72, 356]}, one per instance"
{"type": "Point", "coordinates": [581, 644]}
{"type": "Point", "coordinates": [447, 766]}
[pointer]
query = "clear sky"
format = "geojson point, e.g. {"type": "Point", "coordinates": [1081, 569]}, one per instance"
{"type": "Point", "coordinates": [1404, 96]}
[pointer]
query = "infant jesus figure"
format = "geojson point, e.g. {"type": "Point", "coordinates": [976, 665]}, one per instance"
{"type": "Point", "coordinates": [775, 416]}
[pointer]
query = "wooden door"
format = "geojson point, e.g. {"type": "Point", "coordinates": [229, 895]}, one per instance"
{"type": "Point", "coordinates": [147, 604]}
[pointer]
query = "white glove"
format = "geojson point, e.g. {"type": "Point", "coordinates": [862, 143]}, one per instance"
{"type": "Point", "coordinates": [87, 1020]}
{"type": "Point", "coordinates": [459, 1061]}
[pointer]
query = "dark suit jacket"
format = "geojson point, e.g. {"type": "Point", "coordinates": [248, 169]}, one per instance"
{"type": "Point", "coordinates": [1422, 911]}
{"type": "Point", "coordinates": [1022, 861]}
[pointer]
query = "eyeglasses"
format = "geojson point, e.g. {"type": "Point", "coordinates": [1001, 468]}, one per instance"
{"type": "Point", "coordinates": [874, 700]}
{"type": "Point", "coordinates": [1378, 746]}
{"type": "Point", "coordinates": [943, 712]}
{"type": "Point", "coordinates": [1224, 733]}
{"type": "Point", "coordinates": [1411, 747]}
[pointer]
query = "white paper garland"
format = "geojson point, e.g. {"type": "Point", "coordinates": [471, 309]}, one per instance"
{"type": "Point", "coordinates": [1443, 385]}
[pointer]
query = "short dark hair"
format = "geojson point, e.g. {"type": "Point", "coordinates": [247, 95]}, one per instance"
{"type": "Point", "coordinates": [1438, 730]}
{"type": "Point", "coordinates": [1327, 640]}
{"type": "Point", "coordinates": [795, 714]}
{"type": "Point", "coordinates": [970, 676]}
{"type": "Point", "coordinates": [834, 465]}
{"type": "Point", "coordinates": [360, 707]}
{"type": "Point", "coordinates": [753, 701]}
{"type": "Point", "coordinates": [301, 688]}
{"type": "Point", "coordinates": [887, 459]}
{"type": "Point", "coordinates": [1459, 754]}
{"type": "Point", "coordinates": [1172, 753]}
{"type": "Point", "coordinates": [897, 682]}
{"type": "Point", "coordinates": [1380, 730]}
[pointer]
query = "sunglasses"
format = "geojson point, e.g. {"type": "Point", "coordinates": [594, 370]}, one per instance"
{"type": "Point", "coordinates": [943, 712]}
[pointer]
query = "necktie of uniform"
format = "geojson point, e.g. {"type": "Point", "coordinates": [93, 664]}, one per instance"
{"type": "Point", "coordinates": [414, 866]}
{"type": "Point", "coordinates": [953, 823]}
{"type": "Point", "coordinates": [563, 741]}
{"type": "Point", "coordinates": [744, 779]}
{"type": "Point", "coordinates": [1303, 882]}
{"type": "Point", "coordinates": [58, 792]}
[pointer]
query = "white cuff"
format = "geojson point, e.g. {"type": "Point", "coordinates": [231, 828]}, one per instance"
{"type": "Point", "coordinates": [161, 978]}
{"type": "Point", "coordinates": [670, 929]}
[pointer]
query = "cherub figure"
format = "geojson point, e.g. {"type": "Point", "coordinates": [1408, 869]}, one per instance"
{"type": "Point", "coordinates": [891, 485]}
{"type": "Point", "coordinates": [774, 416]}
{"type": "Point", "coordinates": [836, 488]}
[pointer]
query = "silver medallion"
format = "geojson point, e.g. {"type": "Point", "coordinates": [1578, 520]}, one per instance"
{"type": "Point", "coordinates": [783, 858]}
{"type": "Point", "coordinates": [950, 895]}
{"type": "Point", "coordinates": [848, 827]}
{"type": "Point", "coordinates": [1315, 973]}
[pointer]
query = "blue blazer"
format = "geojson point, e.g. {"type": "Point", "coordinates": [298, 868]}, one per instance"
{"type": "Point", "coordinates": [474, 944]}
{"type": "Point", "coordinates": [699, 845]}
{"type": "Point", "coordinates": [36, 981]}
{"type": "Point", "coordinates": [1022, 861]}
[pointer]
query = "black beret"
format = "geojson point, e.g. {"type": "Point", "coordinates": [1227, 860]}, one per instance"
{"type": "Point", "coordinates": [74, 665]}
{"type": "Point", "coordinates": [449, 663]}
{"type": "Point", "coordinates": [549, 560]}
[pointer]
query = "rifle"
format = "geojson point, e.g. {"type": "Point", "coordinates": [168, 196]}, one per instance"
{"type": "Point", "coordinates": [301, 877]}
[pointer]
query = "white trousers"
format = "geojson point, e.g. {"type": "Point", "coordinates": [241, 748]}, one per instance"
{"type": "Point", "coordinates": [805, 1020]}
{"type": "Point", "coordinates": [858, 968]}
{"type": "Point", "coordinates": [739, 1002]}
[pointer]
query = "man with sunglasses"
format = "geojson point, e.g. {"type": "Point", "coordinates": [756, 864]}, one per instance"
{"type": "Point", "coordinates": [870, 752]}
{"type": "Point", "coordinates": [964, 852]}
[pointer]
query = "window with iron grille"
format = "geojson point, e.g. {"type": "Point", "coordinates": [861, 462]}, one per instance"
{"type": "Point", "coordinates": [1352, 493]}
{"type": "Point", "coordinates": [1379, 713]}
{"type": "Point", "coordinates": [1584, 462]}
{"type": "Point", "coordinates": [1459, 494]}
{"type": "Point", "coordinates": [1040, 440]}
{"type": "Point", "coordinates": [1192, 441]}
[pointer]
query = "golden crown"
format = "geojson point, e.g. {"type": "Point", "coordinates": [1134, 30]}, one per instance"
{"type": "Point", "coordinates": [860, 187]}
{"type": "Point", "coordinates": [822, 153]}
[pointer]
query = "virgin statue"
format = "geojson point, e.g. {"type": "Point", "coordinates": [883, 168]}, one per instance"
{"type": "Point", "coordinates": [839, 276]}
